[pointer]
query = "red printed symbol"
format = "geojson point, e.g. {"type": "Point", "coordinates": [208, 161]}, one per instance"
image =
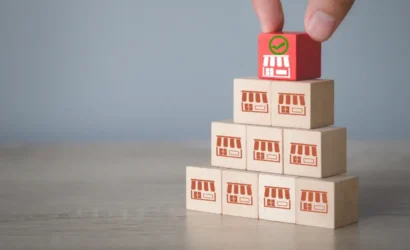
{"type": "Point", "coordinates": [228, 146]}
{"type": "Point", "coordinates": [303, 154]}
{"type": "Point", "coordinates": [277, 197]}
{"type": "Point", "coordinates": [255, 101]}
{"type": "Point", "coordinates": [203, 190]}
{"type": "Point", "coordinates": [314, 201]}
{"type": "Point", "coordinates": [292, 104]}
{"type": "Point", "coordinates": [266, 150]}
{"type": "Point", "coordinates": [239, 193]}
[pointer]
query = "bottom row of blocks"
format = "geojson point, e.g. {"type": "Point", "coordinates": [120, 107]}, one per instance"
{"type": "Point", "coordinates": [329, 202]}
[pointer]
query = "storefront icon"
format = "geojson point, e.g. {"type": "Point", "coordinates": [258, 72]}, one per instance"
{"type": "Point", "coordinates": [314, 201]}
{"type": "Point", "coordinates": [303, 154]}
{"type": "Point", "coordinates": [228, 146]}
{"type": "Point", "coordinates": [277, 197]}
{"type": "Point", "coordinates": [203, 190]}
{"type": "Point", "coordinates": [266, 150]}
{"type": "Point", "coordinates": [292, 104]}
{"type": "Point", "coordinates": [255, 101]}
{"type": "Point", "coordinates": [239, 193]}
{"type": "Point", "coordinates": [276, 66]}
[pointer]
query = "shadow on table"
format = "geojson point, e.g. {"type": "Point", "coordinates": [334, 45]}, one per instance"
{"type": "Point", "coordinates": [376, 201]}
{"type": "Point", "coordinates": [385, 190]}
{"type": "Point", "coordinates": [208, 231]}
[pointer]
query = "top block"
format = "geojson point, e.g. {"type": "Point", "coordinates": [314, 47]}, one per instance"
{"type": "Point", "coordinates": [288, 56]}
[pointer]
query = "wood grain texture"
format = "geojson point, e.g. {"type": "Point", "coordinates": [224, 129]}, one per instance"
{"type": "Point", "coordinates": [133, 197]}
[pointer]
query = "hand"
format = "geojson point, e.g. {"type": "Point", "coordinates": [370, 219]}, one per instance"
{"type": "Point", "coordinates": [322, 17]}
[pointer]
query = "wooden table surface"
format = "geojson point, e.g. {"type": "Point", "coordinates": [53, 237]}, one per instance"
{"type": "Point", "coordinates": [132, 196]}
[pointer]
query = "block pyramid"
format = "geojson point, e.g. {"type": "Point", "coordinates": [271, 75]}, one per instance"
{"type": "Point", "coordinates": [280, 158]}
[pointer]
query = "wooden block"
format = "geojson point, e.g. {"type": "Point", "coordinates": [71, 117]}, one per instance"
{"type": "Point", "coordinates": [240, 193]}
{"type": "Point", "coordinates": [294, 104]}
{"type": "Point", "coordinates": [204, 189]}
{"type": "Point", "coordinates": [265, 149]}
{"type": "Point", "coordinates": [316, 153]}
{"type": "Point", "coordinates": [252, 101]}
{"type": "Point", "coordinates": [330, 203]}
{"type": "Point", "coordinates": [288, 56]}
{"type": "Point", "coordinates": [277, 199]}
{"type": "Point", "coordinates": [228, 145]}
{"type": "Point", "coordinates": [303, 104]}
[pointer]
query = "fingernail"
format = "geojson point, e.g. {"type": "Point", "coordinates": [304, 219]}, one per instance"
{"type": "Point", "coordinates": [321, 26]}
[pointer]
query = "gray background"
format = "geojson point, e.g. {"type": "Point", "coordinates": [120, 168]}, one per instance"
{"type": "Point", "coordinates": [128, 70]}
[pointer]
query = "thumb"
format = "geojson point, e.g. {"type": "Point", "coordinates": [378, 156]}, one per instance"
{"type": "Point", "coordinates": [323, 17]}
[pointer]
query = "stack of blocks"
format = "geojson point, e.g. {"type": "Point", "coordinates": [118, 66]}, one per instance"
{"type": "Point", "coordinates": [281, 158]}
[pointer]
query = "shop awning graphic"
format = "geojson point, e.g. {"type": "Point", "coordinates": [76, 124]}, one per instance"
{"type": "Point", "coordinates": [277, 192]}
{"type": "Point", "coordinates": [266, 150]}
{"type": "Point", "coordinates": [276, 61]}
{"type": "Point", "coordinates": [292, 99]}
{"type": "Point", "coordinates": [277, 197]}
{"type": "Point", "coordinates": [239, 193]}
{"type": "Point", "coordinates": [276, 66]}
{"type": "Point", "coordinates": [303, 154]}
{"type": "Point", "coordinates": [314, 201]}
{"type": "Point", "coordinates": [255, 101]}
{"type": "Point", "coordinates": [203, 190]}
{"type": "Point", "coordinates": [303, 149]}
{"type": "Point", "coordinates": [228, 146]}
{"type": "Point", "coordinates": [266, 145]}
{"type": "Point", "coordinates": [202, 185]}
{"type": "Point", "coordinates": [228, 141]}
{"type": "Point", "coordinates": [292, 104]}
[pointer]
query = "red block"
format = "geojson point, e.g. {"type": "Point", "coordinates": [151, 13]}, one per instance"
{"type": "Point", "coordinates": [288, 56]}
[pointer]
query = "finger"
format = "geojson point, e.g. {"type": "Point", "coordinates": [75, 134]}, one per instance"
{"type": "Point", "coordinates": [323, 17]}
{"type": "Point", "coordinates": [270, 14]}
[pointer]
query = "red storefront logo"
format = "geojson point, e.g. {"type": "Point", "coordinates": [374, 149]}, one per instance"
{"type": "Point", "coordinates": [266, 150]}
{"type": "Point", "coordinates": [292, 104]}
{"type": "Point", "coordinates": [228, 146]}
{"type": "Point", "coordinates": [277, 197]}
{"type": "Point", "coordinates": [255, 101]}
{"type": "Point", "coordinates": [239, 193]}
{"type": "Point", "coordinates": [314, 201]}
{"type": "Point", "coordinates": [203, 190]}
{"type": "Point", "coordinates": [303, 154]}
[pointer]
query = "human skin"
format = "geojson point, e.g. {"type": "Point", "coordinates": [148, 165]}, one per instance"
{"type": "Point", "coordinates": [322, 17]}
